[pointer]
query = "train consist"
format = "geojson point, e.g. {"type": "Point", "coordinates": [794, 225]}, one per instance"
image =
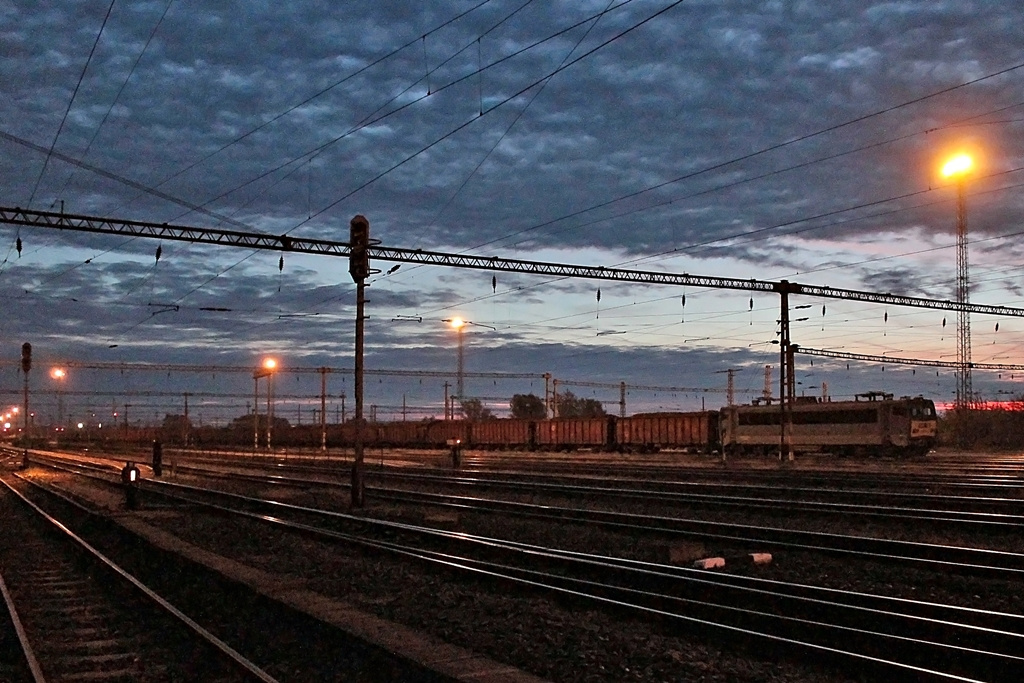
{"type": "Point", "coordinates": [874, 423]}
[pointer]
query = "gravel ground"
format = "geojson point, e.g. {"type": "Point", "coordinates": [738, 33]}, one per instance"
{"type": "Point", "coordinates": [560, 641]}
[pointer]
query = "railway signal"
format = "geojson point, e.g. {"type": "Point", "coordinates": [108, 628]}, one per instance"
{"type": "Point", "coordinates": [130, 477]}
{"type": "Point", "coordinates": [26, 365]}
{"type": "Point", "coordinates": [359, 269]}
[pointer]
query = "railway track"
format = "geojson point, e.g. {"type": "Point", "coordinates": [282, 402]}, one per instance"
{"type": "Point", "coordinates": [988, 513]}
{"type": "Point", "coordinates": [81, 617]}
{"type": "Point", "coordinates": [943, 473]}
{"type": "Point", "coordinates": [892, 638]}
{"type": "Point", "coordinates": [288, 644]}
{"type": "Point", "coordinates": [941, 557]}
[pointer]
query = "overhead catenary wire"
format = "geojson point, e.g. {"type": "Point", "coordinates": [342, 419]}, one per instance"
{"type": "Point", "coordinates": [71, 102]}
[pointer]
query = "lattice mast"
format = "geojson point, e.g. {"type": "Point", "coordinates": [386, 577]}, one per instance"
{"type": "Point", "coordinates": [964, 390]}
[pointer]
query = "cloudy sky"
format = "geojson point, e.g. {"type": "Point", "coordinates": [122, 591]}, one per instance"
{"type": "Point", "coordinates": [796, 140]}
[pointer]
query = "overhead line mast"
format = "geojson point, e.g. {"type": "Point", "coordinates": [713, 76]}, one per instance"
{"type": "Point", "coordinates": [255, 240]}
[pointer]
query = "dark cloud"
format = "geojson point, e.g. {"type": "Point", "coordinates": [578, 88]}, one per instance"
{"type": "Point", "coordinates": [700, 120]}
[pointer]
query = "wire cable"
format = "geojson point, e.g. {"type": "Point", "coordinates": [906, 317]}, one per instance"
{"type": "Point", "coordinates": [67, 111]}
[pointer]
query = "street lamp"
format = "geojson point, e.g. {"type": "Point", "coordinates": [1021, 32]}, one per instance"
{"type": "Point", "coordinates": [458, 324]}
{"type": "Point", "coordinates": [958, 168]}
{"type": "Point", "coordinates": [269, 365]}
{"type": "Point", "coordinates": [59, 374]}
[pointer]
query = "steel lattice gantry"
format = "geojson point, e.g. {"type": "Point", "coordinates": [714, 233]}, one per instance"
{"type": "Point", "coordinates": [286, 243]}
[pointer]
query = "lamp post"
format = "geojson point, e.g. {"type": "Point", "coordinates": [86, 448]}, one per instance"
{"type": "Point", "coordinates": [269, 366]}
{"type": "Point", "coordinates": [957, 168]}
{"type": "Point", "coordinates": [458, 324]}
{"type": "Point", "coordinates": [59, 374]}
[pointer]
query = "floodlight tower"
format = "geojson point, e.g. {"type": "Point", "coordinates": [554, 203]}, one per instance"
{"type": "Point", "coordinates": [957, 169]}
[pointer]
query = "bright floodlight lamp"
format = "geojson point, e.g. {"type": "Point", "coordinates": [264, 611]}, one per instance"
{"type": "Point", "coordinates": [58, 373]}
{"type": "Point", "coordinates": [457, 322]}
{"type": "Point", "coordinates": [958, 166]}
{"type": "Point", "coordinates": [269, 363]}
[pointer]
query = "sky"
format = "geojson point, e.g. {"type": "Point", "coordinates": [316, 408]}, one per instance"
{"type": "Point", "coordinates": [769, 140]}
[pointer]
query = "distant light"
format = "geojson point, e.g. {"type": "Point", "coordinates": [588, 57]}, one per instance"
{"type": "Point", "coordinates": [457, 323]}
{"type": "Point", "coordinates": [270, 363]}
{"type": "Point", "coordinates": [7, 425]}
{"type": "Point", "coordinates": [81, 424]}
{"type": "Point", "coordinates": [14, 410]}
{"type": "Point", "coordinates": [58, 373]}
{"type": "Point", "coordinates": [958, 165]}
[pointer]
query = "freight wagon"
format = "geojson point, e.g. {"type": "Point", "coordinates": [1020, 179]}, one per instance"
{"type": "Point", "coordinates": [567, 434]}
{"type": "Point", "coordinates": [651, 432]}
{"type": "Point", "coordinates": [511, 434]}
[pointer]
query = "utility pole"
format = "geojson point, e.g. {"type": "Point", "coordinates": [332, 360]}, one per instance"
{"type": "Point", "coordinates": [255, 412]}
{"type": "Point", "coordinates": [323, 409]}
{"type": "Point", "coordinates": [767, 393]}
{"type": "Point", "coordinates": [622, 399]}
{"type": "Point", "coordinates": [187, 426]}
{"type": "Point", "coordinates": [547, 395]}
{"type": "Point", "coordinates": [447, 414]}
{"type": "Point", "coordinates": [554, 398]}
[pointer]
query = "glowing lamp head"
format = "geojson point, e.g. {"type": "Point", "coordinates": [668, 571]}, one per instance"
{"type": "Point", "coordinates": [58, 373]}
{"type": "Point", "coordinates": [959, 165]}
{"type": "Point", "coordinates": [269, 364]}
{"type": "Point", "coordinates": [457, 323]}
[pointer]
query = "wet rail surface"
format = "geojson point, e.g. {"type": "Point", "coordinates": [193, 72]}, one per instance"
{"type": "Point", "coordinates": [902, 639]}
{"type": "Point", "coordinates": [289, 645]}
{"type": "Point", "coordinates": [985, 510]}
{"type": "Point", "coordinates": [82, 620]}
{"type": "Point", "coordinates": [945, 557]}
